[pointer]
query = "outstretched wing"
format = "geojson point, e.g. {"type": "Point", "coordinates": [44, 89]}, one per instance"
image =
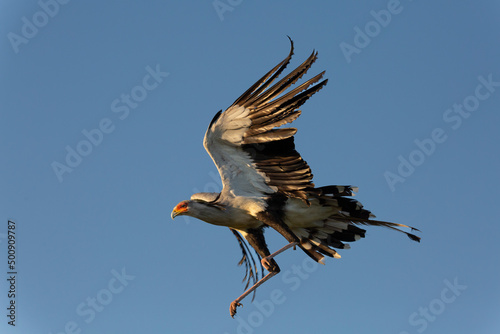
{"type": "Point", "coordinates": [255, 156]}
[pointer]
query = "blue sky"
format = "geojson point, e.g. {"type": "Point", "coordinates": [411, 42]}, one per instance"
{"type": "Point", "coordinates": [410, 115]}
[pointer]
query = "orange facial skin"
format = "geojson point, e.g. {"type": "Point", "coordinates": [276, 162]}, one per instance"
{"type": "Point", "coordinates": [180, 208]}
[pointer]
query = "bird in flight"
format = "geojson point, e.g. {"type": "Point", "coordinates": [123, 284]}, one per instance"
{"type": "Point", "coordinates": [266, 183]}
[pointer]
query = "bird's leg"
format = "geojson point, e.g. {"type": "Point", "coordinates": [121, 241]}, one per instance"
{"type": "Point", "coordinates": [255, 238]}
{"type": "Point", "coordinates": [236, 302]}
{"type": "Point", "coordinates": [265, 261]}
{"type": "Point", "coordinates": [279, 225]}
{"type": "Point", "coordinates": [273, 269]}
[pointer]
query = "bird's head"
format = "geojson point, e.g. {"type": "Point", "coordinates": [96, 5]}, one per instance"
{"type": "Point", "coordinates": [198, 208]}
{"type": "Point", "coordinates": [181, 209]}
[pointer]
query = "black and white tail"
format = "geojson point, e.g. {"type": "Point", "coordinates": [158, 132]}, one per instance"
{"type": "Point", "coordinates": [342, 226]}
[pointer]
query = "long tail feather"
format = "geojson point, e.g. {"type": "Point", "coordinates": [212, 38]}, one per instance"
{"type": "Point", "coordinates": [390, 225]}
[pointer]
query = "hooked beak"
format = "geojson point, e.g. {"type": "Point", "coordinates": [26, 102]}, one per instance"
{"type": "Point", "coordinates": [180, 209]}
{"type": "Point", "coordinates": [176, 212]}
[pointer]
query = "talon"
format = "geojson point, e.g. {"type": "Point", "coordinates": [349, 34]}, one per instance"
{"type": "Point", "coordinates": [266, 263]}
{"type": "Point", "coordinates": [232, 308]}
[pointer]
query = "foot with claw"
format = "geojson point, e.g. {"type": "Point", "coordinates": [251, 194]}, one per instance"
{"type": "Point", "coordinates": [266, 263]}
{"type": "Point", "coordinates": [232, 308]}
{"type": "Point", "coordinates": [270, 265]}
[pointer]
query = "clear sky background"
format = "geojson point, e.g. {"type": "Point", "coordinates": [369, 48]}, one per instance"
{"type": "Point", "coordinates": [410, 115]}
